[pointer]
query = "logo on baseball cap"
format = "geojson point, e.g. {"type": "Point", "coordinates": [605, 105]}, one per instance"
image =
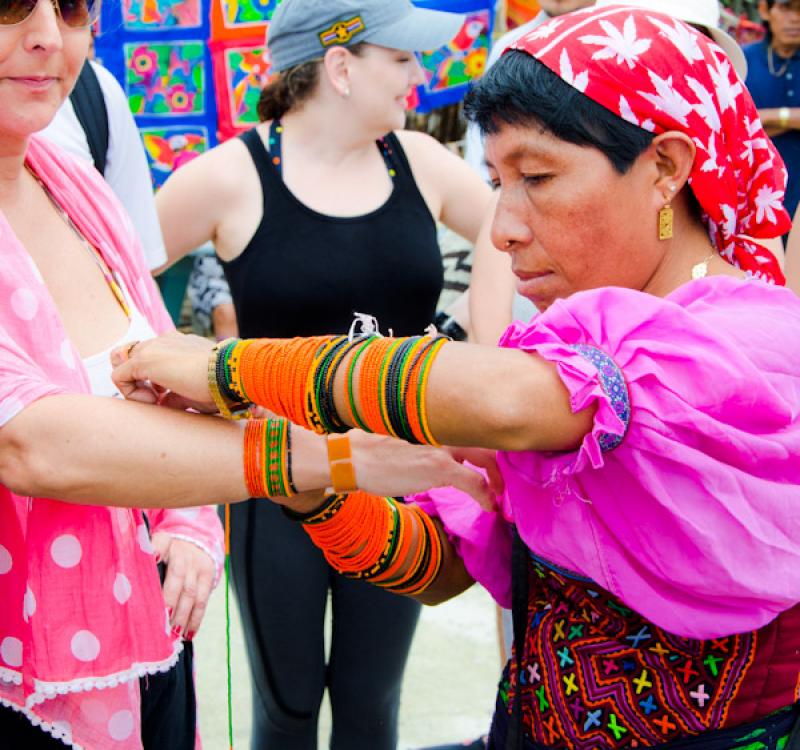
{"type": "Point", "coordinates": [302, 30]}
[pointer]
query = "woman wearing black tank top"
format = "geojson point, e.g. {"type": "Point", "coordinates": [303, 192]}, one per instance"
{"type": "Point", "coordinates": [318, 214]}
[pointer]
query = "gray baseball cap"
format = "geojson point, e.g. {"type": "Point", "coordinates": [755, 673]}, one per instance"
{"type": "Point", "coordinates": [303, 30]}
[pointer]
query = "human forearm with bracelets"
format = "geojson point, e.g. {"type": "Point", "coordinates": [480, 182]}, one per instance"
{"type": "Point", "coordinates": [424, 390]}
{"type": "Point", "coordinates": [198, 459]}
{"type": "Point", "coordinates": [450, 393]}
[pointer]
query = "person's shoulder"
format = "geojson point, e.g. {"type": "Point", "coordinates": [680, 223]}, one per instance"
{"type": "Point", "coordinates": [105, 78]}
{"type": "Point", "coordinates": [78, 172]}
{"type": "Point", "coordinates": [416, 140]}
{"type": "Point", "coordinates": [730, 301]}
{"type": "Point", "coordinates": [424, 153]}
{"type": "Point", "coordinates": [217, 171]}
{"type": "Point", "coordinates": [114, 95]}
{"type": "Point", "coordinates": [745, 306]}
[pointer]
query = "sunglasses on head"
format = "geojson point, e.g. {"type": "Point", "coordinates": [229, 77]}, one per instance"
{"type": "Point", "coordinates": [74, 13]}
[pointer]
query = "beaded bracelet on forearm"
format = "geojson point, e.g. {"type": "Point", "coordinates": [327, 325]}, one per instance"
{"type": "Point", "coordinates": [268, 458]}
{"type": "Point", "coordinates": [229, 403]}
{"type": "Point", "coordinates": [297, 379]}
{"type": "Point", "coordinates": [377, 539]}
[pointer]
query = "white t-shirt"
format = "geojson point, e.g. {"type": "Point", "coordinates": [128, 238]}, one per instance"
{"type": "Point", "coordinates": [127, 171]}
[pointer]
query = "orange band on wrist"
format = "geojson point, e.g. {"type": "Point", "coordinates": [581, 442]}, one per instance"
{"type": "Point", "coordinates": [343, 475]}
{"type": "Point", "coordinates": [339, 448]}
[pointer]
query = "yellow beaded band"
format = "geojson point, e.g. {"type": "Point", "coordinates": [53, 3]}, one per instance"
{"type": "Point", "coordinates": [217, 377]}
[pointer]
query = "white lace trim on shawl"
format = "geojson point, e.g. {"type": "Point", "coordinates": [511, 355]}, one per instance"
{"type": "Point", "coordinates": [44, 691]}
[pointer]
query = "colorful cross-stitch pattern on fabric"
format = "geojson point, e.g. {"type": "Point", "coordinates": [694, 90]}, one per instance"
{"type": "Point", "coordinates": [158, 15]}
{"type": "Point", "coordinates": [247, 12]}
{"type": "Point", "coordinates": [170, 147]}
{"type": "Point", "coordinates": [597, 675]}
{"type": "Point", "coordinates": [165, 79]}
{"type": "Point", "coordinates": [463, 59]}
{"type": "Point", "coordinates": [240, 72]}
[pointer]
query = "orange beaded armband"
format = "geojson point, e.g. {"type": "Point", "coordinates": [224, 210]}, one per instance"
{"type": "Point", "coordinates": [378, 539]}
{"type": "Point", "coordinates": [297, 379]}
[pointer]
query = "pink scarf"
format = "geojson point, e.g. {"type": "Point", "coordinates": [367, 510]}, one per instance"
{"type": "Point", "coordinates": [83, 613]}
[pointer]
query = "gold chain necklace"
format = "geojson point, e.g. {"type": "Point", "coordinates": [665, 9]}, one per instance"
{"type": "Point", "coordinates": [780, 72]}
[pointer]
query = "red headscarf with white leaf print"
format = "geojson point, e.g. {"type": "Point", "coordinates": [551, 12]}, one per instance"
{"type": "Point", "coordinates": [660, 74]}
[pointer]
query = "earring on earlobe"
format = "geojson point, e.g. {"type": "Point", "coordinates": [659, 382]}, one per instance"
{"type": "Point", "coordinates": [346, 93]}
{"type": "Point", "coordinates": [666, 219]}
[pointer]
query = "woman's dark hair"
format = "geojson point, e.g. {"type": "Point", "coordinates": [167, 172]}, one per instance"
{"type": "Point", "coordinates": [292, 87]}
{"type": "Point", "coordinates": [520, 90]}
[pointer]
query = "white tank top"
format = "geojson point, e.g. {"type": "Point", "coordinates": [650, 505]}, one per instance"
{"type": "Point", "coordinates": [98, 366]}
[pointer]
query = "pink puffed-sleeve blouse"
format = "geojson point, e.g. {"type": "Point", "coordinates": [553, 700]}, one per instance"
{"type": "Point", "coordinates": [684, 501]}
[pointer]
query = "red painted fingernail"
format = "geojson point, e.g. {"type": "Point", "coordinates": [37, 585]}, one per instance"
{"type": "Point", "coordinates": [176, 630]}
{"type": "Point", "coordinates": [169, 612]}
{"type": "Point", "coordinates": [158, 558]}
{"type": "Point", "coordinates": [190, 635]}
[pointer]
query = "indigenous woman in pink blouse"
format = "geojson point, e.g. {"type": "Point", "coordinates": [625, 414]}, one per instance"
{"type": "Point", "coordinates": [93, 650]}
{"type": "Point", "coordinates": [647, 422]}
{"type": "Point", "coordinates": [84, 615]}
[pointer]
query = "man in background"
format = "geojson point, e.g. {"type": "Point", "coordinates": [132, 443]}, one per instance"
{"type": "Point", "coordinates": [774, 82]}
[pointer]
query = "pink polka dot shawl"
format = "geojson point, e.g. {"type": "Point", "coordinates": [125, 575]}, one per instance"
{"type": "Point", "coordinates": [660, 74]}
{"type": "Point", "coordinates": [83, 613]}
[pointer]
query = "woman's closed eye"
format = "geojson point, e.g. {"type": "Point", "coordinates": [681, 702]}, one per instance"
{"type": "Point", "coordinates": [536, 179]}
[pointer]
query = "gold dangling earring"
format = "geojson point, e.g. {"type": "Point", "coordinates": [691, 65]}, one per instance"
{"type": "Point", "coordinates": [666, 219]}
{"type": "Point", "coordinates": [666, 222]}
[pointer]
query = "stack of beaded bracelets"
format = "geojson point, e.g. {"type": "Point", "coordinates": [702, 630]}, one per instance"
{"type": "Point", "coordinates": [228, 402]}
{"type": "Point", "coordinates": [377, 539]}
{"type": "Point", "coordinates": [296, 378]}
{"type": "Point", "coordinates": [268, 458]}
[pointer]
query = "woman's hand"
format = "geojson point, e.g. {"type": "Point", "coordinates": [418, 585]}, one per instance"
{"type": "Point", "coordinates": [171, 369]}
{"type": "Point", "coordinates": [391, 467]}
{"type": "Point", "coordinates": [188, 583]}
{"type": "Point", "coordinates": [484, 459]}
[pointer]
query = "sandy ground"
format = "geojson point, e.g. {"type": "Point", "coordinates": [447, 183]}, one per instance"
{"type": "Point", "coordinates": [448, 693]}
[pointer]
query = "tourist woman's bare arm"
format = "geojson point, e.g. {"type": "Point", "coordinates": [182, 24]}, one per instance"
{"type": "Point", "coordinates": [456, 195]}
{"type": "Point", "coordinates": [97, 451]}
{"type": "Point", "coordinates": [200, 199]}
{"type": "Point", "coordinates": [491, 287]}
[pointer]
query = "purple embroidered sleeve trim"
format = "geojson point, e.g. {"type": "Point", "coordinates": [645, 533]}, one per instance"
{"type": "Point", "coordinates": [614, 386]}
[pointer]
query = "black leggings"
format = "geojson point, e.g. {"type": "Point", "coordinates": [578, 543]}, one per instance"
{"type": "Point", "coordinates": [169, 717]}
{"type": "Point", "coordinates": [281, 581]}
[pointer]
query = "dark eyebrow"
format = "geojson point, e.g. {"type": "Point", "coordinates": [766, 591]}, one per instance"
{"type": "Point", "coordinates": [522, 152]}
